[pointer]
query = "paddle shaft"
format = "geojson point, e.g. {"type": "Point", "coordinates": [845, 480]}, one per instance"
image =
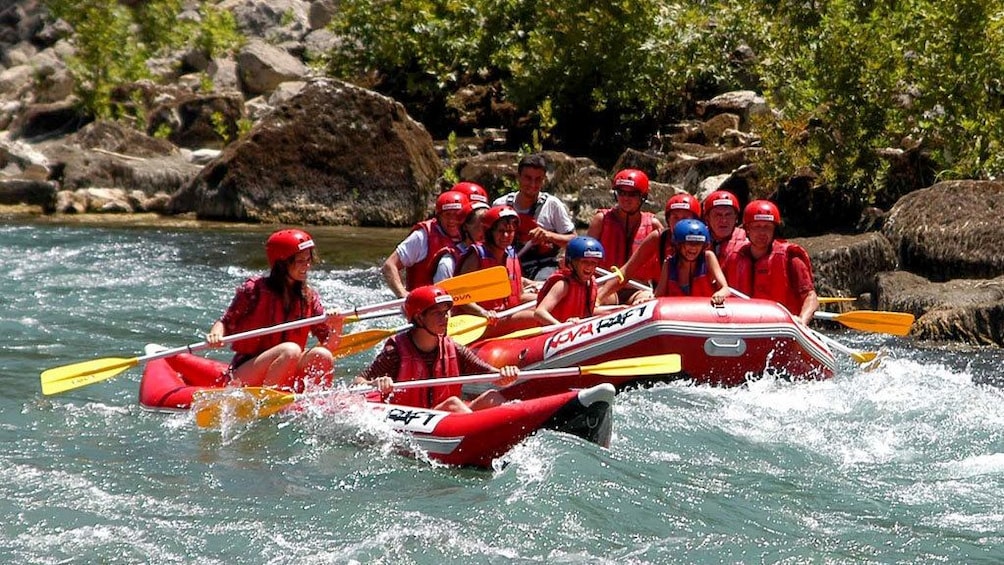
{"type": "Point", "coordinates": [607, 275]}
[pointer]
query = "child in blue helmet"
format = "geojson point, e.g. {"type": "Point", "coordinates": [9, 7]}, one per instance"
{"type": "Point", "coordinates": [693, 270]}
{"type": "Point", "coordinates": [569, 294]}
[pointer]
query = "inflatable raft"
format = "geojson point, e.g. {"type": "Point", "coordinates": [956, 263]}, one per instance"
{"type": "Point", "coordinates": [720, 345]}
{"type": "Point", "coordinates": [474, 439]}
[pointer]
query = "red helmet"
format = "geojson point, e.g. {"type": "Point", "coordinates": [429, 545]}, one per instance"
{"type": "Point", "coordinates": [475, 193]}
{"type": "Point", "coordinates": [632, 180]}
{"type": "Point", "coordinates": [423, 298]}
{"type": "Point", "coordinates": [453, 200]}
{"type": "Point", "coordinates": [683, 201]}
{"type": "Point", "coordinates": [762, 211]}
{"type": "Point", "coordinates": [496, 213]}
{"type": "Point", "coordinates": [721, 198]}
{"type": "Point", "coordinates": [283, 244]}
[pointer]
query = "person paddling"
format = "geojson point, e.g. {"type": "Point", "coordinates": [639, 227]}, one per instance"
{"type": "Point", "coordinates": [279, 360]}
{"type": "Point", "coordinates": [471, 231]}
{"type": "Point", "coordinates": [417, 256]}
{"type": "Point", "coordinates": [424, 352]}
{"type": "Point", "coordinates": [772, 268]}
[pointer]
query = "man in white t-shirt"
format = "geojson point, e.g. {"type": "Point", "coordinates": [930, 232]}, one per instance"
{"type": "Point", "coordinates": [545, 225]}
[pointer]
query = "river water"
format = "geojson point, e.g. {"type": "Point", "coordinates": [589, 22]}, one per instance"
{"type": "Point", "coordinates": [900, 464]}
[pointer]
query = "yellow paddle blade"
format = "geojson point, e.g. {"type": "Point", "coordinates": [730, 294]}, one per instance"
{"type": "Point", "coordinates": [895, 323]}
{"type": "Point", "coordinates": [666, 364]}
{"type": "Point", "coordinates": [361, 341]}
{"type": "Point", "coordinates": [214, 407]}
{"type": "Point", "coordinates": [478, 286]}
{"type": "Point", "coordinates": [68, 377]}
{"type": "Point", "coordinates": [836, 299]}
{"type": "Point", "coordinates": [863, 356]}
{"type": "Point", "coordinates": [466, 328]}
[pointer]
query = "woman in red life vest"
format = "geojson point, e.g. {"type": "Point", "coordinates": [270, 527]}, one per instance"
{"type": "Point", "coordinates": [569, 294]}
{"type": "Point", "coordinates": [657, 246]}
{"type": "Point", "coordinates": [419, 253]}
{"type": "Point", "coordinates": [721, 214]}
{"type": "Point", "coordinates": [772, 268]}
{"type": "Point", "coordinates": [279, 359]}
{"type": "Point", "coordinates": [693, 269]}
{"type": "Point", "coordinates": [500, 224]}
{"type": "Point", "coordinates": [426, 352]}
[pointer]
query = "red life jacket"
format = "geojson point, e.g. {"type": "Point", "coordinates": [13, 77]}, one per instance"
{"type": "Point", "coordinates": [413, 368]}
{"type": "Point", "coordinates": [768, 277]}
{"type": "Point", "coordinates": [268, 310]}
{"type": "Point", "coordinates": [579, 301]}
{"type": "Point", "coordinates": [617, 248]}
{"type": "Point", "coordinates": [421, 273]}
{"type": "Point", "coordinates": [725, 250]}
{"type": "Point", "coordinates": [485, 260]}
{"type": "Point", "coordinates": [700, 282]}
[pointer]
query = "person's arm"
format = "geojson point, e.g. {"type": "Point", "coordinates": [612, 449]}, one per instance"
{"type": "Point", "coordinates": [804, 284]}
{"type": "Point", "coordinates": [716, 272]}
{"type": "Point", "coordinates": [553, 297]}
{"type": "Point", "coordinates": [810, 303]}
{"type": "Point", "coordinates": [595, 225]}
{"type": "Point", "coordinates": [445, 268]}
{"type": "Point", "coordinates": [238, 309]}
{"type": "Point", "coordinates": [413, 249]}
{"type": "Point", "coordinates": [381, 372]}
{"type": "Point", "coordinates": [555, 224]}
{"type": "Point", "coordinates": [391, 270]}
{"type": "Point", "coordinates": [661, 289]}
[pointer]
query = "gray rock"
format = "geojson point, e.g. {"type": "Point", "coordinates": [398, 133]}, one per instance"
{"type": "Point", "coordinates": [333, 154]}
{"type": "Point", "coordinates": [950, 230]}
{"type": "Point", "coordinates": [262, 67]}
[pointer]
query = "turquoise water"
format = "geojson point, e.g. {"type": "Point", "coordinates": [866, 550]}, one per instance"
{"type": "Point", "coordinates": [901, 464]}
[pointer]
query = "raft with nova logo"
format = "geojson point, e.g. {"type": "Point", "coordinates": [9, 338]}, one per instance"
{"type": "Point", "coordinates": [720, 345]}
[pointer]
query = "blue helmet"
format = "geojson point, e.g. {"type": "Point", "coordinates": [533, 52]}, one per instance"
{"type": "Point", "coordinates": [584, 247]}
{"type": "Point", "coordinates": [686, 231]}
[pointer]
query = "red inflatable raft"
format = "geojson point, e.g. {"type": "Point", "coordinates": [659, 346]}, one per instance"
{"type": "Point", "coordinates": [721, 345]}
{"type": "Point", "coordinates": [474, 439]}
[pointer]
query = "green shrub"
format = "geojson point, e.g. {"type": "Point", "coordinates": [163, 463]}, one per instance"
{"type": "Point", "coordinates": [114, 41]}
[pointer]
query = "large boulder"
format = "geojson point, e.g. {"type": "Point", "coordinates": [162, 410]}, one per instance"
{"type": "Point", "coordinates": [848, 264]}
{"type": "Point", "coordinates": [951, 230]}
{"type": "Point", "coordinates": [967, 310]}
{"type": "Point", "coordinates": [333, 154]}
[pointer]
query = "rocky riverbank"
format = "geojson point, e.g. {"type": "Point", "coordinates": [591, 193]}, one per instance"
{"type": "Point", "coordinates": [319, 151]}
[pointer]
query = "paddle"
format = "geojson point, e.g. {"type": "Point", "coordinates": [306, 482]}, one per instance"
{"type": "Point", "coordinates": [212, 406]}
{"type": "Point", "coordinates": [895, 323]}
{"type": "Point", "coordinates": [467, 328]}
{"type": "Point", "coordinates": [485, 284]}
{"type": "Point", "coordinates": [835, 299]}
{"type": "Point", "coordinates": [353, 343]}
